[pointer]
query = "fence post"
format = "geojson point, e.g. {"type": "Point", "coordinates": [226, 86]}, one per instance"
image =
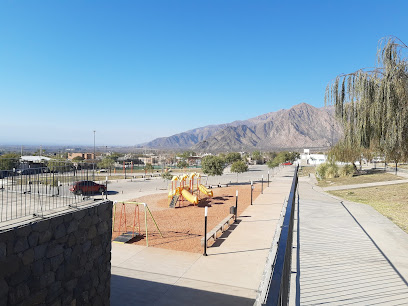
{"type": "Point", "coordinates": [252, 188]}
{"type": "Point", "coordinates": [236, 205]}
{"type": "Point", "coordinates": [268, 178]}
{"type": "Point", "coordinates": [205, 231]}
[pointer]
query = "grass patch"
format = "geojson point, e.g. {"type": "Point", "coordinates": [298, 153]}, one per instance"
{"type": "Point", "coordinates": [390, 201]}
{"type": "Point", "coordinates": [306, 170]}
{"type": "Point", "coordinates": [358, 179]}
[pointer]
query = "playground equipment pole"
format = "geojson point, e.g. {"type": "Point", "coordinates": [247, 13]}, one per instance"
{"type": "Point", "coordinates": [268, 178]}
{"type": "Point", "coordinates": [262, 185]}
{"type": "Point", "coordinates": [205, 231]}
{"type": "Point", "coordinates": [252, 188]}
{"type": "Point", "coordinates": [236, 206]}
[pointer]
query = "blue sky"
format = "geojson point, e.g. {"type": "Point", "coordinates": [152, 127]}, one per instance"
{"type": "Point", "coordinates": [137, 70]}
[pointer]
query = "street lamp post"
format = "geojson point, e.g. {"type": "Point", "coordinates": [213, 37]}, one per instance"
{"type": "Point", "coordinates": [93, 164]}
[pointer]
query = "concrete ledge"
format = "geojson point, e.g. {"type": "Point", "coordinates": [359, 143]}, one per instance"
{"type": "Point", "coordinates": [218, 229]}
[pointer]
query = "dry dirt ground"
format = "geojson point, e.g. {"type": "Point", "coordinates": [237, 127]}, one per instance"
{"type": "Point", "coordinates": [182, 227]}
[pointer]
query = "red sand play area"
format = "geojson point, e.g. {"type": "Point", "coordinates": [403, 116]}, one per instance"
{"type": "Point", "coordinates": [182, 227]}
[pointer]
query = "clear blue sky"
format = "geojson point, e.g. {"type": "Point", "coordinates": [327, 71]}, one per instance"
{"type": "Point", "coordinates": [137, 70]}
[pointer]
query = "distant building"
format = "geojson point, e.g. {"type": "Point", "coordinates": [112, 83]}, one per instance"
{"type": "Point", "coordinates": [32, 161]}
{"type": "Point", "coordinates": [194, 160]}
{"type": "Point", "coordinates": [85, 156]}
{"type": "Point", "coordinates": [307, 159]}
{"type": "Point", "coordinates": [149, 160]}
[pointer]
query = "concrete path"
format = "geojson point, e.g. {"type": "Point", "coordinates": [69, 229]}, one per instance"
{"type": "Point", "coordinates": [230, 275]}
{"type": "Point", "coordinates": [355, 186]}
{"type": "Point", "coordinates": [346, 253]}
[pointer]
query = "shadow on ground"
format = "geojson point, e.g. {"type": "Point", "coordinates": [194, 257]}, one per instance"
{"type": "Point", "coordinates": [134, 291]}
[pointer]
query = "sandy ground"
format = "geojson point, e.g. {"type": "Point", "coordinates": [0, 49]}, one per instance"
{"type": "Point", "coordinates": [182, 227]}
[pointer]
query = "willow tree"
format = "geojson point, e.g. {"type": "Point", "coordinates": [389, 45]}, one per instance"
{"type": "Point", "coordinates": [372, 103]}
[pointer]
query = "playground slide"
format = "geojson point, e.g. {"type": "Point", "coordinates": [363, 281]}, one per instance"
{"type": "Point", "coordinates": [172, 193]}
{"type": "Point", "coordinates": [192, 198]}
{"type": "Point", "coordinates": [205, 190]}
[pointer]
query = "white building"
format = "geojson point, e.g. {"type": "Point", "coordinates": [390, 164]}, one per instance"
{"type": "Point", "coordinates": [307, 159]}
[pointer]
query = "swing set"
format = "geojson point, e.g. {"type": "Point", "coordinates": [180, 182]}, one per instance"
{"type": "Point", "coordinates": [126, 235]}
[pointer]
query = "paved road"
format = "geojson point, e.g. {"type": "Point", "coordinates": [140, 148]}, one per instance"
{"type": "Point", "coordinates": [346, 253]}
{"type": "Point", "coordinates": [230, 275]}
{"type": "Point", "coordinates": [123, 190]}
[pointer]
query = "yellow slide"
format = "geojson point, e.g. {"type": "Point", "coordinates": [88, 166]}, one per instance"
{"type": "Point", "coordinates": [205, 190]}
{"type": "Point", "coordinates": [192, 198]}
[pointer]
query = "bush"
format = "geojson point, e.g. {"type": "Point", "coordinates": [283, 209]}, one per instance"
{"type": "Point", "coordinates": [347, 170]}
{"type": "Point", "coordinates": [321, 170]}
{"type": "Point", "coordinates": [332, 171]}
{"type": "Point", "coordinates": [167, 175]}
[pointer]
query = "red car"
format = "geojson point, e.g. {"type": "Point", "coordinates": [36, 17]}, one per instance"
{"type": "Point", "coordinates": [83, 187]}
{"type": "Point", "coordinates": [287, 164]}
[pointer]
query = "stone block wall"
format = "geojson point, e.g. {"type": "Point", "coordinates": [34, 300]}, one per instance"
{"type": "Point", "coordinates": [60, 260]}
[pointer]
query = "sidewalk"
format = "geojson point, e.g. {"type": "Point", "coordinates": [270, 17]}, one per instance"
{"type": "Point", "coordinates": [230, 275]}
{"type": "Point", "coordinates": [346, 253]}
{"type": "Point", "coordinates": [355, 186]}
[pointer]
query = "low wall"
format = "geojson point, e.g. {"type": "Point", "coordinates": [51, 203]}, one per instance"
{"type": "Point", "coordinates": [63, 258]}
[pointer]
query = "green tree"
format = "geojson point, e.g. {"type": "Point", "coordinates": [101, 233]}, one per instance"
{"type": "Point", "coordinates": [78, 159]}
{"type": "Point", "coordinates": [115, 156]}
{"type": "Point", "coordinates": [345, 153]}
{"type": "Point", "coordinates": [271, 155]}
{"type": "Point", "coordinates": [59, 165]}
{"type": "Point", "coordinates": [182, 164]}
{"type": "Point", "coordinates": [257, 156]}
{"type": "Point", "coordinates": [232, 157]}
{"type": "Point", "coordinates": [148, 167]}
{"type": "Point", "coordinates": [167, 175]}
{"type": "Point", "coordinates": [283, 157]}
{"type": "Point", "coordinates": [372, 104]}
{"type": "Point", "coordinates": [239, 167]}
{"type": "Point", "coordinates": [212, 165]}
{"type": "Point", "coordinates": [106, 163]}
{"type": "Point", "coordinates": [9, 161]}
{"type": "Point", "coordinates": [187, 154]}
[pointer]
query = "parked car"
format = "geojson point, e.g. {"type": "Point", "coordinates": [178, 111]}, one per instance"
{"type": "Point", "coordinates": [83, 187]}
{"type": "Point", "coordinates": [287, 164]}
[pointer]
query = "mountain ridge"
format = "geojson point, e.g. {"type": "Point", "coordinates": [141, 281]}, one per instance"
{"type": "Point", "coordinates": [300, 126]}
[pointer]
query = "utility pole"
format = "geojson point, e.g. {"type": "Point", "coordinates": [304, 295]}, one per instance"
{"type": "Point", "coordinates": [94, 157]}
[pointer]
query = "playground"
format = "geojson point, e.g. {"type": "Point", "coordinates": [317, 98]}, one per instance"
{"type": "Point", "coordinates": [179, 215]}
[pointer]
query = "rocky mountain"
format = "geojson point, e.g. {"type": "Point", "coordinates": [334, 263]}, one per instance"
{"type": "Point", "coordinates": [302, 126]}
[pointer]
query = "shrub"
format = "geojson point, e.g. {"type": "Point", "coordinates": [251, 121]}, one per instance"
{"type": "Point", "coordinates": [321, 171]}
{"type": "Point", "coordinates": [347, 170]}
{"type": "Point", "coordinates": [167, 175]}
{"type": "Point", "coordinates": [332, 171]}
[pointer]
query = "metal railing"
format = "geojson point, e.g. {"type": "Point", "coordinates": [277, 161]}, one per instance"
{"type": "Point", "coordinates": [275, 289]}
{"type": "Point", "coordinates": [33, 191]}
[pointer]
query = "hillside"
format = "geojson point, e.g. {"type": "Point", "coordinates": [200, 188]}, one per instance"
{"type": "Point", "coordinates": [301, 126]}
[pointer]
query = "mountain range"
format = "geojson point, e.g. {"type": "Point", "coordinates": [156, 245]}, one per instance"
{"type": "Point", "coordinates": [302, 126]}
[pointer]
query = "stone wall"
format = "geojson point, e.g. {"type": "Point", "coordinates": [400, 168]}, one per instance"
{"type": "Point", "coordinates": [63, 259]}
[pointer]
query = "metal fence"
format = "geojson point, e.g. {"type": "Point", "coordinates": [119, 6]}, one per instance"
{"type": "Point", "coordinates": [274, 289]}
{"type": "Point", "coordinates": [32, 191]}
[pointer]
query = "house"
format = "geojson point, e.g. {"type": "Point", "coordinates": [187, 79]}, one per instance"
{"type": "Point", "coordinates": [85, 156]}
{"type": "Point", "coordinates": [307, 159]}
